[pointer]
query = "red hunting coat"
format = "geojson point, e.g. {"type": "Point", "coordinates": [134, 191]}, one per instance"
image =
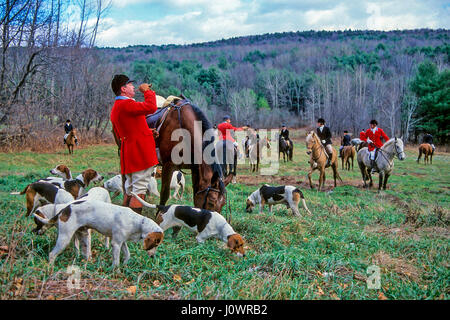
{"type": "Point", "coordinates": [137, 150]}
{"type": "Point", "coordinates": [224, 131]}
{"type": "Point", "coordinates": [376, 138]}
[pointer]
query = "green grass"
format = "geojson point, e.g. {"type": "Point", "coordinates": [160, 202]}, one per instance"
{"type": "Point", "coordinates": [322, 256]}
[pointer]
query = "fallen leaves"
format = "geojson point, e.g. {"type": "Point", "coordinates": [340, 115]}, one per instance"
{"type": "Point", "coordinates": [381, 296]}
{"type": "Point", "coordinates": [156, 283]}
{"type": "Point", "coordinates": [3, 250]}
{"type": "Point", "coordinates": [176, 277]}
{"type": "Point", "coordinates": [132, 290]}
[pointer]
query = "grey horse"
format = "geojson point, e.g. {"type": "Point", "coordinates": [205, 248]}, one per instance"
{"type": "Point", "coordinates": [384, 161]}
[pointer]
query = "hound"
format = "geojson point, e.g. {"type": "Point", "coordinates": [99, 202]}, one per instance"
{"type": "Point", "coordinates": [77, 186]}
{"type": "Point", "coordinates": [115, 185]}
{"type": "Point", "coordinates": [63, 173]}
{"type": "Point", "coordinates": [119, 223]}
{"type": "Point", "coordinates": [50, 210]}
{"type": "Point", "coordinates": [39, 192]}
{"type": "Point", "coordinates": [288, 195]}
{"type": "Point", "coordinates": [206, 223]}
{"type": "Point", "coordinates": [176, 183]}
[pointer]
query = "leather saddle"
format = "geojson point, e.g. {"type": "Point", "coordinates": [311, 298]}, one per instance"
{"type": "Point", "coordinates": [152, 119]}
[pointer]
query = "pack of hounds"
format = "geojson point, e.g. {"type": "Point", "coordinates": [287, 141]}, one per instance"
{"type": "Point", "coordinates": [65, 202]}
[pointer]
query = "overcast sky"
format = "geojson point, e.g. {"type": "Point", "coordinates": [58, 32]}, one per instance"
{"type": "Point", "coordinates": [134, 22]}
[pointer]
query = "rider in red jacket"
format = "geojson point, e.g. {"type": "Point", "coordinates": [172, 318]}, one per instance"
{"type": "Point", "coordinates": [137, 151]}
{"type": "Point", "coordinates": [373, 137]}
{"type": "Point", "coordinates": [225, 129]}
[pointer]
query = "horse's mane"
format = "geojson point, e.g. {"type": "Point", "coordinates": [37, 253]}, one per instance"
{"type": "Point", "coordinates": [388, 143]}
{"type": "Point", "coordinates": [206, 125]}
{"type": "Point", "coordinates": [313, 135]}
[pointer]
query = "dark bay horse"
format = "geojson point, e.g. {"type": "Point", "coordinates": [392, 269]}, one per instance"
{"type": "Point", "coordinates": [208, 181]}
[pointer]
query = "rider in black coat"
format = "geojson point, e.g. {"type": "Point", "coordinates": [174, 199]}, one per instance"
{"type": "Point", "coordinates": [428, 138]}
{"type": "Point", "coordinates": [346, 141]}
{"type": "Point", "coordinates": [67, 128]}
{"type": "Point", "coordinates": [324, 134]}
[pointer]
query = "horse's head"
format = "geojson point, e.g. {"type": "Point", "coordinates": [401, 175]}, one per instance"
{"type": "Point", "coordinates": [213, 196]}
{"type": "Point", "coordinates": [310, 141]}
{"type": "Point", "coordinates": [398, 144]}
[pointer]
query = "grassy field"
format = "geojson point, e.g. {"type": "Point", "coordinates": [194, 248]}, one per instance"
{"type": "Point", "coordinates": [404, 231]}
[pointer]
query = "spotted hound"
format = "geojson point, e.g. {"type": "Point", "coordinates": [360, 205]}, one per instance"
{"type": "Point", "coordinates": [288, 195]}
{"type": "Point", "coordinates": [43, 192]}
{"type": "Point", "coordinates": [205, 223]}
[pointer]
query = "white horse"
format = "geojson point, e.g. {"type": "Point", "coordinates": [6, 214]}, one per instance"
{"type": "Point", "coordinates": [384, 161]}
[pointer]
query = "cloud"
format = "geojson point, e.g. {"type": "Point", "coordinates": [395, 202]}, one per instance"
{"type": "Point", "coordinates": [134, 22]}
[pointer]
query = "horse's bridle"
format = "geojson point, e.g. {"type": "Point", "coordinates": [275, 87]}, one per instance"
{"type": "Point", "coordinates": [207, 190]}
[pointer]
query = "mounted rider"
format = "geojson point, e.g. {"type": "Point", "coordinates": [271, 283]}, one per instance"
{"type": "Point", "coordinates": [225, 130]}
{"type": "Point", "coordinates": [67, 128]}
{"type": "Point", "coordinates": [373, 137]}
{"type": "Point", "coordinates": [137, 145]}
{"type": "Point", "coordinates": [345, 141]}
{"type": "Point", "coordinates": [285, 134]}
{"type": "Point", "coordinates": [428, 138]}
{"type": "Point", "coordinates": [324, 134]}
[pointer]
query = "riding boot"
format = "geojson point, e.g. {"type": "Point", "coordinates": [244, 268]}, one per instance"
{"type": "Point", "coordinates": [126, 200]}
{"type": "Point", "coordinates": [328, 160]}
{"type": "Point", "coordinates": [373, 164]}
{"type": "Point", "coordinates": [135, 205]}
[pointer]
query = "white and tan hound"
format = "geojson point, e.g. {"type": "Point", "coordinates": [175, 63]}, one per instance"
{"type": "Point", "coordinates": [119, 223]}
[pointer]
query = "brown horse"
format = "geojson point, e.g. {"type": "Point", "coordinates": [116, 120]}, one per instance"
{"type": "Point", "coordinates": [427, 151]}
{"type": "Point", "coordinates": [348, 152]}
{"type": "Point", "coordinates": [319, 159]}
{"type": "Point", "coordinates": [70, 140]}
{"type": "Point", "coordinates": [207, 179]}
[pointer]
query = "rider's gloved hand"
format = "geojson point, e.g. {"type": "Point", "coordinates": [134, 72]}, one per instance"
{"type": "Point", "coordinates": [144, 87]}
{"type": "Point", "coordinates": [369, 141]}
{"type": "Point", "coordinates": [323, 141]}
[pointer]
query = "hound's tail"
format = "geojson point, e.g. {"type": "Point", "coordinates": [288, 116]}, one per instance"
{"type": "Point", "coordinates": [44, 220]}
{"type": "Point", "coordinates": [20, 193]}
{"type": "Point", "coordinates": [296, 190]}
{"type": "Point", "coordinates": [145, 203]}
{"type": "Point", "coordinates": [41, 219]}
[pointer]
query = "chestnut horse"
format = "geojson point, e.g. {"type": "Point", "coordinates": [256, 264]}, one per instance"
{"type": "Point", "coordinates": [70, 140]}
{"type": "Point", "coordinates": [427, 151]}
{"type": "Point", "coordinates": [319, 159]}
{"type": "Point", "coordinates": [348, 152]}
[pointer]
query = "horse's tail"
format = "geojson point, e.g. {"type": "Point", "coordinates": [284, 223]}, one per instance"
{"type": "Point", "coordinates": [420, 154]}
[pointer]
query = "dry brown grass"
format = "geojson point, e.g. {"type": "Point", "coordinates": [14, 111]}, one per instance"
{"type": "Point", "coordinates": [46, 142]}
{"type": "Point", "coordinates": [398, 265]}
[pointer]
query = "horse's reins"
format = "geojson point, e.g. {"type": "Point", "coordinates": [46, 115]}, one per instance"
{"type": "Point", "coordinates": [383, 152]}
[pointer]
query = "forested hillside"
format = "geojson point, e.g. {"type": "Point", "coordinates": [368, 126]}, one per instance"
{"type": "Point", "coordinates": [400, 78]}
{"type": "Point", "coordinates": [347, 77]}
